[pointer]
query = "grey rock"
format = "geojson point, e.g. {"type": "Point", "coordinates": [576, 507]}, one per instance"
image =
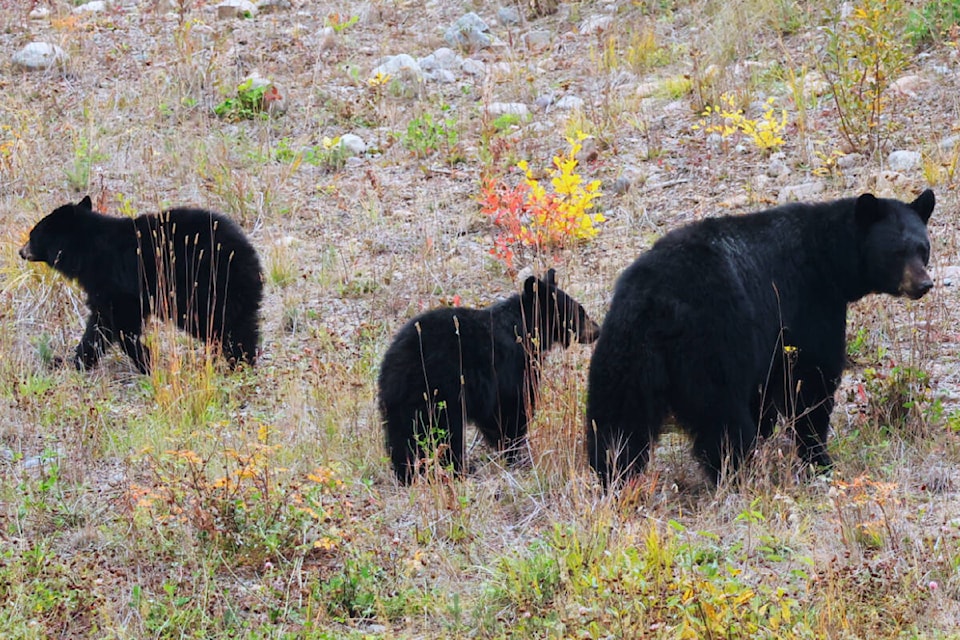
{"type": "Point", "coordinates": [39, 55]}
{"type": "Point", "coordinates": [596, 24]}
{"type": "Point", "coordinates": [947, 144]}
{"type": "Point", "coordinates": [537, 40]}
{"type": "Point", "coordinates": [443, 76]}
{"type": "Point", "coordinates": [442, 58]}
{"type": "Point", "coordinates": [903, 160]}
{"type": "Point", "coordinates": [273, 6]}
{"type": "Point", "coordinates": [515, 108]}
{"type": "Point", "coordinates": [473, 67]}
{"type": "Point", "coordinates": [508, 15]}
{"type": "Point", "coordinates": [800, 192]}
{"type": "Point", "coordinates": [545, 100]}
{"type": "Point", "coordinates": [236, 9]}
{"type": "Point", "coordinates": [570, 103]}
{"type": "Point", "coordinates": [469, 31]}
{"type": "Point", "coordinates": [401, 66]}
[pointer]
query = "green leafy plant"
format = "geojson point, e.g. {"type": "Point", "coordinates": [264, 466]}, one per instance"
{"type": "Point", "coordinates": [864, 52]}
{"type": "Point", "coordinates": [330, 154]}
{"type": "Point", "coordinates": [426, 135]}
{"type": "Point", "coordinates": [252, 101]}
{"type": "Point", "coordinates": [85, 154]}
{"type": "Point", "coordinates": [933, 19]}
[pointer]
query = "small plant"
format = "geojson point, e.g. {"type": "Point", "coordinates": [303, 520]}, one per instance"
{"type": "Point", "coordinates": [84, 155]}
{"type": "Point", "coordinates": [252, 101]}
{"type": "Point", "coordinates": [933, 20]}
{"type": "Point", "coordinates": [336, 22]}
{"type": "Point", "coordinates": [233, 498]}
{"type": "Point", "coordinates": [864, 52]}
{"type": "Point", "coordinates": [527, 215]}
{"type": "Point", "coordinates": [330, 154]}
{"type": "Point", "coordinates": [897, 396]}
{"type": "Point", "coordinates": [766, 133]}
{"type": "Point", "coordinates": [426, 135]}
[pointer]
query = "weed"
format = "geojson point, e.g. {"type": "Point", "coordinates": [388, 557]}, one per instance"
{"type": "Point", "coordinates": [932, 20]}
{"type": "Point", "coordinates": [336, 22]}
{"type": "Point", "coordinates": [529, 216]}
{"type": "Point", "coordinates": [426, 135]}
{"type": "Point", "coordinates": [864, 52]}
{"type": "Point", "coordinates": [331, 154]}
{"type": "Point", "coordinates": [252, 101]}
{"type": "Point", "coordinates": [766, 133]}
{"type": "Point", "coordinates": [85, 154]}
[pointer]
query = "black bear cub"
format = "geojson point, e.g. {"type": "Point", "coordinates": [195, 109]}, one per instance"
{"type": "Point", "coordinates": [193, 266]}
{"type": "Point", "coordinates": [730, 323]}
{"type": "Point", "coordinates": [451, 365]}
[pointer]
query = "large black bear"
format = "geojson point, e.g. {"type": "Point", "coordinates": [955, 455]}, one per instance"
{"type": "Point", "coordinates": [451, 365]}
{"type": "Point", "coordinates": [194, 266]}
{"type": "Point", "coordinates": [730, 322]}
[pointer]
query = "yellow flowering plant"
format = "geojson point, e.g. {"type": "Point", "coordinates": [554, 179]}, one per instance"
{"type": "Point", "coordinates": [530, 215]}
{"type": "Point", "coordinates": [766, 133]}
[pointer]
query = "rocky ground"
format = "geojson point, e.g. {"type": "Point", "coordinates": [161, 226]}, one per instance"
{"type": "Point", "coordinates": [357, 174]}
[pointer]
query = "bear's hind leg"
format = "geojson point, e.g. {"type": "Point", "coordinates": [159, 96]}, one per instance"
{"type": "Point", "coordinates": [812, 425]}
{"type": "Point", "coordinates": [721, 444]}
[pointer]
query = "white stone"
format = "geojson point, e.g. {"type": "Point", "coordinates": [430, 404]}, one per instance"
{"type": "Point", "coordinates": [569, 103]}
{"type": "Point", "coordinates": [354, 144]}
{"type": "Point", "coordinates": [537, 40]}
{"type": "Point", "coordinates": [442, 58]}
{"type": "Point", "coordinates": [800, 192]}
{"type": "Point", "coordinates": [473, 67]}
{"type": "Point", "coordinates": [903, 160]}
{"type": "Point", "coordinates": [39, 13]}
{"type": "Point", "coordinates": [39, 55]}
{"type": "Point", "coordinates": [514, 108]}
{"type": "Point", "coordinates": [236, 9]}
{"type": "Point", "coordinates": [908, 85]}
{"type": "Point", "coordinates": [91, 7]}
{"type": "Point", "coordinates": [401, 66]}
{"type": "Point", "coordinates": [596, 24]}
{"type": "Point", "coordinates": [469, 31]}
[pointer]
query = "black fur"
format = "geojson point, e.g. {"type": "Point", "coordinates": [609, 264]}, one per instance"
{"type": "Point", "coordinates": [450, 365]}
{"type": "Point", "coordinates": [193, 266]}
{"type": "Point", "coordinates": [729, 322]}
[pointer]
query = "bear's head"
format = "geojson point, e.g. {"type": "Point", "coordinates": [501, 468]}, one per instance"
{"type": "Point", "coordinates": [894, 247]}
{"type": "Point", "coordinates": [556, 317]}
{"type": "Point", "coordinates": [59, 239]}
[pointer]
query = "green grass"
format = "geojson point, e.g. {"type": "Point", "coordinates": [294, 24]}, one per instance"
{"type": "Point", "coordinates": [200, 503]}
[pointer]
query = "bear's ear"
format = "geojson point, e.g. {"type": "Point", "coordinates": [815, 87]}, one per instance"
{"type": "Point", "coordinates": [86, 203]}
{"type": "Point", "coordinates": [528, 287]}
{"type": "Point", "coordinates": [923, 205]}
{"type": "Point", "coordinates": [551, 278]}
{"type": "Point", "coordinates": [867, 210]}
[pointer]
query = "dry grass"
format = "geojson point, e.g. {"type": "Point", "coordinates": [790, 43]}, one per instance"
{"type": "Point", "coordinates": [199, 503]}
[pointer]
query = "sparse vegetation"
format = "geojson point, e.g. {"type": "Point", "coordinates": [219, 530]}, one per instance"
{"type": "Point", "coordinates": [198, 503]}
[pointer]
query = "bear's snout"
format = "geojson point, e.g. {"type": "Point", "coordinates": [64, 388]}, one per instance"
{"type": "Point", "coordinates": [916, 281]}
{"type": "Point", "coordinates": [589, 333]}
{"type": "Point", "coordinates": [26, 254]}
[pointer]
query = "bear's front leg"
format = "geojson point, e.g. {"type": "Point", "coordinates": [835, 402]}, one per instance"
{"type": "Point", "coordinates": [92, 345]}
